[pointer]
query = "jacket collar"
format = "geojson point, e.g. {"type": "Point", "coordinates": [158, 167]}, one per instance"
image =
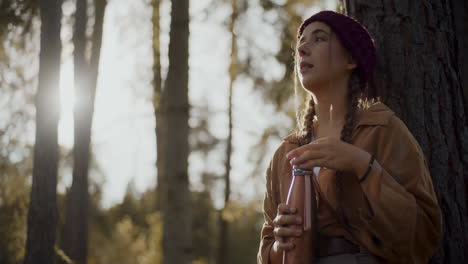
{"type": "Point", "coordinates": [377, 114]}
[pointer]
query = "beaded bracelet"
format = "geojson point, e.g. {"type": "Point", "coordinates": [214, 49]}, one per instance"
{"type": "Point", "coordinates": [368, 169]}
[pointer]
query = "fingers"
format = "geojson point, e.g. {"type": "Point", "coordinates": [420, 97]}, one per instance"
{"type": "Point", "coordinates": [306, 148]}
{"type": "Point", "coordinates": [305, 157]}
{"type": "Point", "coordinates": [283, 246]}
{"type": "Point", "coordinates": [314, 145]}
{"type": "Point", "coordinates": [286, 209]}
{"type": "Point", "coordinates": [311, 164]}
{"type": "Point", "coordinates": [285, 232]}
{"type": "Point", "coordinates": [286, 225]}
{"type": "Point", "coordinates": [325, 140]}
{"type": "Point", "coordinates": [284, 220]}
{"type": "Point", "coordinates": [321, 140]}
{"type": "Point", "coordinates": [281, 233]}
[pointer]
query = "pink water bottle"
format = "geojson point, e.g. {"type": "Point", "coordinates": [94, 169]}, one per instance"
{"type": "Point", "coordinates": [301, 195]}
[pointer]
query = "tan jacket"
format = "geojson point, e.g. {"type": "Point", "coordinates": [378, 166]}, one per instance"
{"type": "Point", "coordinates": [394, 213]}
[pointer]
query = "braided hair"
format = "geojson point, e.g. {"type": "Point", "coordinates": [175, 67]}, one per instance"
{"type": "Point", "coordinates": [308, 118]}
{"type": "Point", "coordinates": [354, 96]}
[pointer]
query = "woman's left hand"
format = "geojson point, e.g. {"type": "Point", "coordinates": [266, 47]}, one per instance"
{"type": "Point", "coordinates": [331, 153]}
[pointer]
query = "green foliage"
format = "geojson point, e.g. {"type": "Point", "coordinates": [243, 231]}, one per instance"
{"type": "Point", "coordinates": [132, 240]}
{"type": "Point", "coordinates": [245, 222]}
{"type": "Point", "coordinates": [16, 13]}
{"type": "Point", "coordinates": [16, 82]}
{"type": "Point", "coordinates": [14, 200]}
{"type": "Point", "coordinates": [204, 228]}
{"type": "Point", "coordinates": [129, 242]}
{"type": "Point", "coordinates": [130, 232]}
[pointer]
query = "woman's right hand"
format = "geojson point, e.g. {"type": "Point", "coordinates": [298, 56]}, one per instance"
{"type": "Point", "coordinates": [284, 227]}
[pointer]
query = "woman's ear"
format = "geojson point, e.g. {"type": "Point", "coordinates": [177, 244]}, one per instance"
{"type": "Point", "coordinates": [351, 63]}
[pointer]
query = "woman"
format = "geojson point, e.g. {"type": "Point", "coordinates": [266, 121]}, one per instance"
{"type": "Point", "coordinates": [375, 198]}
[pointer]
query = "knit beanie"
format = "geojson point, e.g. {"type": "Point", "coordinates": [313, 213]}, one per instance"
{"type": "Point", "coordinates": [354, 37]}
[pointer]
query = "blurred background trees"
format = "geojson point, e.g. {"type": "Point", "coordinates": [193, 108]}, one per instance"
{"type": "Point", "coordinates": [175, 199]}
{"type": "Point", "coordinates": [74, 235]}
{"type": "Point", "coordinates": [206, 90]}
{"type": "Point", "coordinates": [42, 213]}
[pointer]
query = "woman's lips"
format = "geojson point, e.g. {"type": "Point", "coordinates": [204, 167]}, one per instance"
{"type": "Point", "coordinates": [305, 66]}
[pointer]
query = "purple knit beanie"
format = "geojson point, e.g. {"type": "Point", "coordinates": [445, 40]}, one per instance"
{"type": "Point", "coordinates": [354, 37]}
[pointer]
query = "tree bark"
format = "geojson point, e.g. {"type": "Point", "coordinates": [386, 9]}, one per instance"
{"type": "Point", "coordinates": [460, 21]}
{"type": "Point", "coordinates": [177, 244]}
{"type": "Point", "coordinates": [75, 231]}
{"type": "Point", "coordinates": [42, 214]}
{"type": "Point", "coordinates": [158, 101]}
{"type": "Point", "coordinates": [233, 68]}
{"type": "Point", "coordinates": [418, 76]}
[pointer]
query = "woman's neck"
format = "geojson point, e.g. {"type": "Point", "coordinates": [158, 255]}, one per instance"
{"type": "Point", "coordinates": [331, 110]}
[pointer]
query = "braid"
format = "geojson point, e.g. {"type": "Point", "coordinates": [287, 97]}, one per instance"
{"type": "Point", "coordinates": [309, 119]}
{"type": "Point", "coordinates": [354, 87]}
{"type": "Point", "coordinates": [346, 132]}
{"type": "Point", "coordinates": [305, 119]}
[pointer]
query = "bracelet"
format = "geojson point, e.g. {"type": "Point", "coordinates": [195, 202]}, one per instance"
{"type": "Point", "coordinates": [368, 169]}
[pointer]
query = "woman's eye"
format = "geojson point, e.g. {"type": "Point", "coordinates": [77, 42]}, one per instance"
{"type": "Point", "coordinates": [319, 39]}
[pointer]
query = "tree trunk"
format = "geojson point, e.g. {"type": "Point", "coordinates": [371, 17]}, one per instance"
{"type": "Point", "coordinates": [176, 203]}
{"type": "Point", "coordinates": [158, 101]}
{"type": "Point", "coordinates": [42, 214]}
{"type": "Point", "coordinates": [75, 231]}
{"type": "Point", "coordinates": [460, 20]}
{"type": "Point", "coordinates": [418, 76]}
{"type": "Point", "coordinates": [233, 68]}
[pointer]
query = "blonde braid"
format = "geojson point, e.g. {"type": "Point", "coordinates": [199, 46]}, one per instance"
{"type": "Point", "coordinates": [309, 119]}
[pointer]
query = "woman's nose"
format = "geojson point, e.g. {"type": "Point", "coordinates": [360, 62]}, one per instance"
{"type": "Point", "coordinates": [302, 50]}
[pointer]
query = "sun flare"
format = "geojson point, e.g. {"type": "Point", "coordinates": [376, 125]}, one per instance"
{"type": "Point", "coordinates": [67, 99]}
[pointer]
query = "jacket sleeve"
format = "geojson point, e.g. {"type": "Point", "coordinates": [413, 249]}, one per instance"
{"type": "Point", "coordinates": [270, 204]}
{"type": "Point", "coordinates": [403, 215]}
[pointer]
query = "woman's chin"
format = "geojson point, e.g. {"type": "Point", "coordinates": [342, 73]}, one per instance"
{"type": "Point", "coordinates": [312, 85]}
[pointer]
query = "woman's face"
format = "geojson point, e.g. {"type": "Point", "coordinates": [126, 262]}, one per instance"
{"type": "Point", "coordinates": [321, 57]}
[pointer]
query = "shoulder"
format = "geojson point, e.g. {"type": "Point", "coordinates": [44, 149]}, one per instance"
{"type": "Point", "coordinates": [379, 125]}
{"type": "Point", "coordinates": [374, 114]}
{"type": "Point", "coordinates": [382, 116]}
{"type": "Point", "coordinates": [400, 131]}
{"type": "Point", "coordinates": [278, 161]}
{"type": "Point", "coordinates": [288, 143]}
